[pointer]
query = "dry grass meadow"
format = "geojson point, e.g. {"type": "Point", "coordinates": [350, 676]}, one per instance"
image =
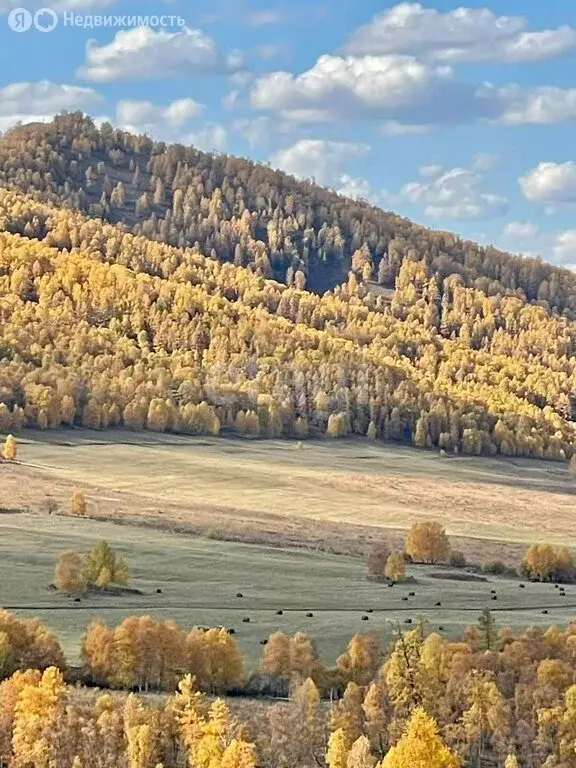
{"type": "Point", "coordinates": [202, 518]}
{"type": "Point", "coordinates": [346, 489]}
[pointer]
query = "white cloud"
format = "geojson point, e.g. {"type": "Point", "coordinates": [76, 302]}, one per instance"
{"type": "Point", "coordinates": [181, 110]}
{"type": "Point", "coordinates": [396, 88]}
{"type": "Point", "coordinates": [155, 120]}
{"type": "Point", "coordinates": [484, 162]}
{"type": "Point", "coordinates": [464, 34]}
{"type": "Point", "coordinates": [430, 170]}
{"type": "Point", "coordinates": [143, 53]}
{"type": "Point", "coordinates": [564, 247]}
{"type": "Point", "coordinates": [522, 231]}
{"type": "Point", "coordinates": [540, 106]}
{"type": "Point", "coordinates": [39, 102]}
{"type": "Point", "coordinates": [261, 131]}
{"type": "Point", "coordinates": [406, 93]}
{"type": "Point", "coordinates": [360, 189]}
{"type": "Point", "coordinates": [551, 184]}
{"type": "Point", "coordinates": [456, 193]}
{"type": "Point", "coordinates": [210, 138]}
{"type": "Point", "coordinates": [394, 128]}
{"type": "Point", "coordinates": [229, 100]}
{"type": "Point", "coordinates": [324, 161]}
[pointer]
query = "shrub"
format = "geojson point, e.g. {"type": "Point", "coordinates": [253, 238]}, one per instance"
{"type": "Point", "coordinates": [495, 567]}
{"type": "Point", "coordinates": [457, 559]}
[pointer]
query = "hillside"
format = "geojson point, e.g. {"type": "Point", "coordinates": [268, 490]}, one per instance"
{"type": "Point", "coordinates": [101, 327]}
{"type": "Point", "coordinates": [246, 213]}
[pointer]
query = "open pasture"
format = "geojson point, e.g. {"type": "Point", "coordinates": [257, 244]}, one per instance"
{"type": "Point", "coordinates": [270, 486]}
{"type": "Point", "coordinates": [200, 579]}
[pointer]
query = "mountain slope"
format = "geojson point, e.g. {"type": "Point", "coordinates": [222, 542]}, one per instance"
{"type": "Point", "coordinates": [99, 328]}
{"type": "Point", "coordinates": [250, 215]}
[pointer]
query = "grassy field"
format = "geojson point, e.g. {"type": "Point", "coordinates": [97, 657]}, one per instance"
{"type": "Point", "coordinates": [199, 580]}
{"type": "Point", "coordinates": [269, 485]}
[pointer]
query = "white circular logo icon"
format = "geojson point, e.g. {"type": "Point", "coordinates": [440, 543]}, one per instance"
{"type": "Point", "coordinates": [45, 20]}
{"type": "Point", "coordinates": [19, 20]}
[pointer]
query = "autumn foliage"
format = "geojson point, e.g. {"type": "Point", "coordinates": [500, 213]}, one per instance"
{"type": "Point", "coordinates": [10, 448]}
{"type": "Point", "coordinates": [101, 327]}
{"type": "Point", "coordinates": [427, 542]}
{"type": "Point", "coordinates": [545, 562]}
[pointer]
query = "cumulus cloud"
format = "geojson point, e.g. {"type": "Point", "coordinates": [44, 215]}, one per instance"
{"type": "Point", "coordinates": [564, 247]}
{"type": "Point", "coordinates": [326, 162]}
{"type": "Point", "coordinates": [455, 194]}
{"type": "Point", "coordinates": [143, 53]}
{"type": "Point", "coordinates": [539, 106]}
{"type": "Point", "coordinates": [155, 120]}
{"type": "Point", "coordinates": [523, 231]}
{"type": "Point", "coordinates": [395, 128]}
{"type": "Point", "coordinates": [408, 94]}
{"type": "Point", "coordinates": [360, 189]}
{"type": "Point", "coordinates": [322, 160]}
{"type": "Point", "coordinates": [552, 184]}
{"type": "Point", "coordinates": [210, 138]}
{"type": "Point", "coordinates": [40, 101]}
{"type": "Point", "coordinates": [464, 34]}
{"type": "Point", "coordinates": [396, 88]}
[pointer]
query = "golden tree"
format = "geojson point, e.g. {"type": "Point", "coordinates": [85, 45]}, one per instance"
{"type": "Point", "coordinates": [303, 656]}
{"type": "Point", "coordinates": [276, 658]}
{"type": "Point", "coordinates": [78, 505]}
{"type": "Point", "coordinates": [427, 542]}
{"type": "Point", "coordinates": [105, 564]}
{"type": "Point", "coordinates": [338, 746]}
{"type": "Point", "coordinates": [10, 448]}
{"type": "Point", "coordinates": [34, 718]}
{"type": "Point", "coordinates": [360, 754]}
{"type": "Point", "coordinates": [69, 576]}
{"type": "Point", "coordinates": [421, 746]}
{"type": "Point", "coordinates": [395, 567]}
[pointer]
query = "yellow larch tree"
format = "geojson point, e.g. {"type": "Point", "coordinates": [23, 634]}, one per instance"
{"type": "Point", "coordinates": [421, 746]}
{"type": "Point", "coordinates": [360, 754]}
{"type": "Point", "coordinates": [338, 748]}
{"type": "Point", "coordinates": [395, 567]}
{"type": "Point", "coordinates": [69, 576]}
{"type": "Point", "coordinates": [10, 448]}
{"type": "Point", "coordinates": [276, 657]}
{"type": "Point", "coordinates": [34, 718]}
{"type": "Point", "coordinates": [427, 542]}
{"type": "Point", "coordinates": [78, 505]}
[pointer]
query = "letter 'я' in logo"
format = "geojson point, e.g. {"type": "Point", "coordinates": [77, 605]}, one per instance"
{"type": "Point", "coordinates": [21, 20]}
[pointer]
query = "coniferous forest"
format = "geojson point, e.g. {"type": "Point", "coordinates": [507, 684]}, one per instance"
{"type": "Point", "coordinates": [158, 287]}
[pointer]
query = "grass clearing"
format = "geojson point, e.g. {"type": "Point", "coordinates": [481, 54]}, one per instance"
{"type": "Point", "coordinates": [269, 484]}
{"type": "Point", "coordinates": [199, 579]}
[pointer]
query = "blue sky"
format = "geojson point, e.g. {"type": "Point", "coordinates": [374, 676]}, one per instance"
{"type": "Point", "coordinates": [459, 117]}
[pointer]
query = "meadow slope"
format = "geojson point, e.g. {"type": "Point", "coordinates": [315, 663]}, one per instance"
{"type": "Point", "coordinates": [232, 485]}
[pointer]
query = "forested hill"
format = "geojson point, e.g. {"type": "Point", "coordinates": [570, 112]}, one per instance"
{"type": "Point", "coordinates": [102, 327]}
{"type": "Point", "coordinates": [251, 215]}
